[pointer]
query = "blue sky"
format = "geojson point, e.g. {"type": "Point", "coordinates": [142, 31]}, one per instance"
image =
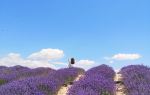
{"type": "Point", "coordinates": [84, 29]}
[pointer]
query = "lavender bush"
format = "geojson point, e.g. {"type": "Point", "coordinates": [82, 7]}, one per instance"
{"type": "Point", "coordinates": [10, 74]}
{"type": "Point", "coordinates": [97, 81]}
{"type": "Point", "coordinates": [103, 70]}
{"type": "Point", "coordinates": [40, 85]}
{"type": "Point", "coordinates": [136, 79]}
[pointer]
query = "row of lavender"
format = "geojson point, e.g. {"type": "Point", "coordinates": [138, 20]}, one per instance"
{"type": "Point", "coordinates": [96, 81]}
{"type": "Point", "coordinates": [9, 74]}
{"type": "Point", "coordinates": [47, 83]}
{"type": "Point", "coordinates": [20, 80]}
{"type": "Point", "coordinates": [136, 79]}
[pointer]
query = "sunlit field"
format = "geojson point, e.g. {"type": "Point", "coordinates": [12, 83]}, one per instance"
{"type": "Point", "coordinates": [100, 80]}
{"type": "Point", "coordinates": [74, 47]}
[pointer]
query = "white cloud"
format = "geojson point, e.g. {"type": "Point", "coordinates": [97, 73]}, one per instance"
{"type": "Point", "coordinates": [47, 54]}
{"type": "Point", "coordinates": [86, 64]}
{"type": "Point", "coordinates": [126, 56]}
{"type": "Point", "coordinates": [38, 59]}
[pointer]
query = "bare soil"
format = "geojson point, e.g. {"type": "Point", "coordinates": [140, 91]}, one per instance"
{"type": "Point", "coordinates": [63, 90]}
{"type": "Point", "coordinates": [120, 88]}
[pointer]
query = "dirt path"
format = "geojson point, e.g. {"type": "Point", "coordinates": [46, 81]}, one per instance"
{"type": "Point", "coordinates": [63, 90]}
{"type": "Point", "coordinates": [120, 88]}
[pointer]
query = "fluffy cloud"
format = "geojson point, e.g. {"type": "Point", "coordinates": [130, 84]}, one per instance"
{"type": "Point", "coordinates": [122, 57]}
{"type": "Point", "coordinates": [47, 54]}
{"type": "Point", "coordinates": [86, 64]}
{"type": "Point", "coordinates": [126, 56]}
{"type": "Point", "coordinates": [42, 58]}
{"type": "Point", "coordinates": [38, 59]}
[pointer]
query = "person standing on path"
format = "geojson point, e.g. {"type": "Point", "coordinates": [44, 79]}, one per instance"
{"type": "Point", "coordinates": [71, 62]}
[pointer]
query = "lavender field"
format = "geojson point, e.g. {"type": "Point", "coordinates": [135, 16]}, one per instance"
{"type": "Point", "coordinates": [74, 47]}
{"type": "Point", "coordinates": [19, 80]}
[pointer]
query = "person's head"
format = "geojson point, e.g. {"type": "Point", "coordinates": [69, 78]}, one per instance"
{"type": "Point", "coordinates": [72, 61]}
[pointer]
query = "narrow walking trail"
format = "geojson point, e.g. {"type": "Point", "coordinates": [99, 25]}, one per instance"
{"type": "Point", "coordinates": [120, 88]}
{"type": "Point", "coordinates": [63, 90]}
